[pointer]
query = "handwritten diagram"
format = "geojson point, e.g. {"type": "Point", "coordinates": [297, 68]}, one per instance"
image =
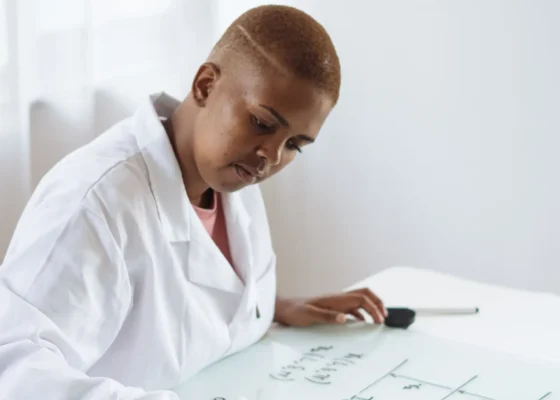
{"type": "Point", "coordinates": [371, 363]}
{"type": "Point", "coordinates": [392, 385]}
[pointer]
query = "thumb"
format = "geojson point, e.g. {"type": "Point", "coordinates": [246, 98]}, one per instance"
{"type": "Point", "coordinates": [321, 315]}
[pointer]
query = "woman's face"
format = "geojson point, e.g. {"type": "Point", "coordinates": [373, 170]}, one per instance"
{"type": "Point", "coordinates": [252, 124]}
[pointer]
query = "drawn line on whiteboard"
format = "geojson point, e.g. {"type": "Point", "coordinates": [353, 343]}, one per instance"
{"type": "Point", "coordinates": [545, 396]}
{"type": "Point", "coordinates": [319, 382]}
{"type": "Point", "coordinates": [279, 379]}
{"type": "Point", "coordinates": [313, 355]}
{"type": "Point", "coordinates": [460, 387]}
{"type": "Point", "coordinates": [393, 374]}
{"type": "Point", "coordinates": [475, 395]}
{"type": "Point", "coordinates": [440, 386]}
{"type": "Point", "coordinates": [384, 376]}
{"type": "Point", "coordinates": [421, 381]}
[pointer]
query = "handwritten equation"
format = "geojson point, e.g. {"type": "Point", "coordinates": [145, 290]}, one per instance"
{"type": "Point", "coordinates": [319, 365]}
{"type": "Point", "coordinates": [387, 368]}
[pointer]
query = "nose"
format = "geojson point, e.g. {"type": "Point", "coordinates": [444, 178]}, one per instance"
{"type": "Point", "coordinates": [270, 152]}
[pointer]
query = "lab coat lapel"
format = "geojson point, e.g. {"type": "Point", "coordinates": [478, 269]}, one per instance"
{"type": "Point", "coordinates": [166, 180]}
{"type": "Point", "coordinates": [238, 221]}
{"type": "Point", "coordinates": [207, 265]}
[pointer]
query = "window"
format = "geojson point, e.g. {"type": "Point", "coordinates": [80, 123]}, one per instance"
{"type": "Point", "coordinates": [4, 55]}
{"type": "Point", "coordinates": [3, 36]}
{"type": "Point", "coordinates": [60, 14]}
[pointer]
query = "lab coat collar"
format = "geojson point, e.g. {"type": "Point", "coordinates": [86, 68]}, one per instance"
{"type": "Point", "coordinates": [174, 208]}
{"type": "Point", "coordinates": [204, 252]}
{"type": "Point", "coordinates": [165, 175]}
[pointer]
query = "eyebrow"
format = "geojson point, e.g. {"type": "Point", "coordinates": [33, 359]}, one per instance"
{"type": "Point", "coordinates": [306, 138]}
{"type": "Point", "coordinates": [276, 114]}
{"type": "Point", "coordinates": [284, 122]}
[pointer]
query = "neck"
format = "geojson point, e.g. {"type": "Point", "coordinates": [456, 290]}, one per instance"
{"type": "Point", "coordinates": [180, 129]}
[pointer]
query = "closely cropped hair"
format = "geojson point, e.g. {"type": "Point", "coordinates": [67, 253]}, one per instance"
{"type": "Point", "coordinates": [288, 39]}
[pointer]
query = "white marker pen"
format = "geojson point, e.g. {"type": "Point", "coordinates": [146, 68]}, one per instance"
{"type": "Point", "coordinates": [446, 311]}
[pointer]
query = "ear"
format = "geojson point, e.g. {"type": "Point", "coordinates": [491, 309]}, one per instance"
{"type": "Point", "coordinates": [204, 82]}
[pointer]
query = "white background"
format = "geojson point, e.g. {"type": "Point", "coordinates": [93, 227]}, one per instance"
{"type": "Point", "coordinates": [443, 151]}
{"type": "Point", "coordinates": [441, 154]}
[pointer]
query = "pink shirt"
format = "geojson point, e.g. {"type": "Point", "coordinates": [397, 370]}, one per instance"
{"type": "Point", "coordinates": [215, 223]}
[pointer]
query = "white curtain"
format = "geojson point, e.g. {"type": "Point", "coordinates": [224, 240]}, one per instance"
{"type": "Point", "coordinates": [71, 68]}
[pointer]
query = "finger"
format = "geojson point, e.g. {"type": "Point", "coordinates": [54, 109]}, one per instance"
{"type": "Point", "coordinates": [371, 308]}
{"type": "Point", "coordinates": [324, 316]}
{"type": "Point", "coordinates": [357, 314]}
{"type": "Point", "coordinates": [375, 299]}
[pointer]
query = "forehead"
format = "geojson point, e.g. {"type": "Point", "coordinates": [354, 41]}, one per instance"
{"type": "Point", "coordinates": [304, 105]}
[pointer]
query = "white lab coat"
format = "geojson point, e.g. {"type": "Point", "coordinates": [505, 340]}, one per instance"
{"type": "Point", "coordinates": [113, 289]}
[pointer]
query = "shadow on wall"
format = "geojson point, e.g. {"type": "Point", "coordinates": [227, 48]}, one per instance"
{"type": "Point", "coordinates": [58, 128]}
{"type": "Point", "coordinates": [12, 189]}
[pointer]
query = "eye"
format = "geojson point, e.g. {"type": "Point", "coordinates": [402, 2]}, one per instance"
{"type": "Point", "coordinates": [292, 145]}
{"type": "Point", "coordinates": [261, 125]}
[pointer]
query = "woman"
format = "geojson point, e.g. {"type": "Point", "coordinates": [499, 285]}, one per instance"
{"type": "Point", "coordinates": [145, 256]}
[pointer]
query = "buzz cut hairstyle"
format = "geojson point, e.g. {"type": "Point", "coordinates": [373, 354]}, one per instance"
{"type": "Point", "coordinates": [287, 39]}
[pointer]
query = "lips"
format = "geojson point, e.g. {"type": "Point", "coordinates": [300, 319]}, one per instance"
{"type": "Point", "coordinates": [245, 175]}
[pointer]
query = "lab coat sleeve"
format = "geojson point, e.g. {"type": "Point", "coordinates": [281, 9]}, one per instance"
{"type": "Point", "coordinates": [63, 298]}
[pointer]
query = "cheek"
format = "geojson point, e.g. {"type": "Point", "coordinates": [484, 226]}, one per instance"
{"type": "Point", "coordinates": [287, 158]}
{"type": "Point", "coordinates": [216, 137]}
{"type": "Point", "coordinates": [227, 135]}
{"type": "Point", "coordinates": [227, 145]}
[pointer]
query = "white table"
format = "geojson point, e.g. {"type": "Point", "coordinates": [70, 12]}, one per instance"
{"type": "Point", "coordinates": [510, 320]}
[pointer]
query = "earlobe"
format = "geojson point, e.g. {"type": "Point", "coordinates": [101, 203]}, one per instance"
{"type": "Point", "coordinates": [204, 81]}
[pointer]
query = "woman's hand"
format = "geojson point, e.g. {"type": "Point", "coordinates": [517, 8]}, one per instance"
{"type": "Point", "coordinates": [331, 309]}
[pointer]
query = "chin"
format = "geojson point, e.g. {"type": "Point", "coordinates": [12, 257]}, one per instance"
{"type": "Point", "coordinates": [226, 181]}
{"type": "Point", "coordinates": [229, 187]}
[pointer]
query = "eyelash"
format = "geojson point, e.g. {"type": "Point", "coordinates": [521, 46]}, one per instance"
{"type": "Point", "coordinates": [293, 146]}
{"type": "Point", "coordinates": [270, 129]}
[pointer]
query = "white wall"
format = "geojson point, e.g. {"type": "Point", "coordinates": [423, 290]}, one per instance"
{"type": "Point", "coordinates": [443, 151]}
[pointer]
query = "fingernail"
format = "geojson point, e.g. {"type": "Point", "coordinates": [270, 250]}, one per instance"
{"type": "Point", "coordinates": [340, 318]}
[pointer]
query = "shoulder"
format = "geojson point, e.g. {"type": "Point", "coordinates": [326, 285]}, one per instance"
{"type": "Point", "coordinates": [102, 174]}
{"type": "Point", "coordinates": [81, 170]}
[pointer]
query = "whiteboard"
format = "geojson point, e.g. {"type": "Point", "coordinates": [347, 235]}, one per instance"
{"type": "Point", "coordinates": [361, 361]}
